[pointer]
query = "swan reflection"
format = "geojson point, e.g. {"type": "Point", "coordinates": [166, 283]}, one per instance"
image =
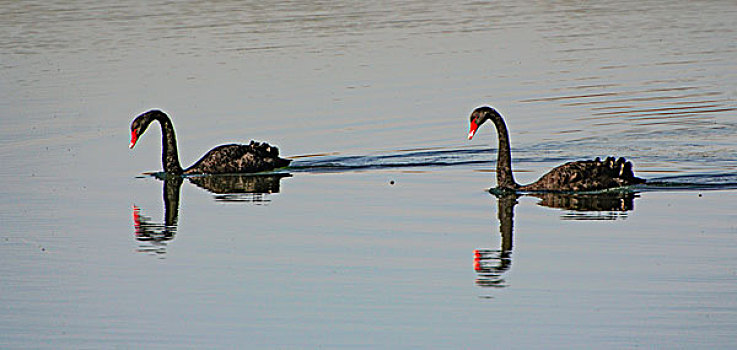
{"type": "Point", "coordinates": [492, 264]}
{"type": "Point", "coordinates": [589, 206]}
{"type": "Point", "coordinates": [240, 188]}
{"type": "Point", "coordinates": [153, 236]}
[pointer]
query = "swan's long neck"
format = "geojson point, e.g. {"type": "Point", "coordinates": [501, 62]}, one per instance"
{"type": "Point", "coordinates": [169, 155]}
{"type": "Point", "coordinates": [504, 176]}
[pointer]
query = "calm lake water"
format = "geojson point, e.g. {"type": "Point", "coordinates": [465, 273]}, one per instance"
{"type": "Point", "coordinates": [382, 234]}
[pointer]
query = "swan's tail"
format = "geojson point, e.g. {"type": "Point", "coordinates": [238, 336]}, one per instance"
{"type": "Point", "coordinates": [268, 152]}
{"type": "Point", "coordinates": [621, 169]}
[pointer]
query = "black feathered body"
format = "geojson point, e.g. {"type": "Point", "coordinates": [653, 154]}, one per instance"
{"type": "Point", "coordinates": [252, 158]}
{"type": "Point", "coordinates": [590, 175]}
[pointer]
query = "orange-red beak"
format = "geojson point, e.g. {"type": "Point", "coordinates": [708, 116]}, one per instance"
{"type": "Point", "coordinates": [134, 138]}
{"type": "Point", "coordinates": [471, 132]}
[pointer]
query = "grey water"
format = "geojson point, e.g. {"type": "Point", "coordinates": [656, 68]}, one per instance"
{"type": "Point", "coordinates": [382, 233]}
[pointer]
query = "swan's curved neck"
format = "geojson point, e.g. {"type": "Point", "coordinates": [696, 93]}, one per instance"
{"type": "Point", "coordinates": [504, 176]}
{"type": "Point", "coordinates": [169, 155]}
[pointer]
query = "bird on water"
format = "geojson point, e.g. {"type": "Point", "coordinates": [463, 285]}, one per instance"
{"type": "Point", "coordinates": [233, 158]}
{"type": "Point", "coordinates": [588, 175]}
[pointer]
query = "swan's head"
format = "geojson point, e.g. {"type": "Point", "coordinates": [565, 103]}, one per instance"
{"type": "Point", "coordinates": [479, 116]}
{"type": "Point", "coordinates": [139, 125]}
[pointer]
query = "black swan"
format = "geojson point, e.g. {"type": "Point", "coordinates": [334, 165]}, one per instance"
{"type": "Point", "coordinates": [234, 158]}
{"type": "Point", "coordinates": [589, 175]}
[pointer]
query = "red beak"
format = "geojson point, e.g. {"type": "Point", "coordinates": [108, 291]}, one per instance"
{"type": "Point", "coordinates": [134, 138]}
{"type": "Point", "coordinates": [472, 131]}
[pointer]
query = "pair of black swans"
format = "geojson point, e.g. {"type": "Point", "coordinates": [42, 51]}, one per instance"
{"type": "Point", "coordinates": [580, 176]}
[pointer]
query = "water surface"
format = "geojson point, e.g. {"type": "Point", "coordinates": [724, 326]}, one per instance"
{"type": "Point", "coordinates": [382, 234]}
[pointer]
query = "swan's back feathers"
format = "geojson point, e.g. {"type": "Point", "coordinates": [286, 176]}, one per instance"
{"type": "Point", "coordinates": [590, 175]}
{"type": "Point", "coordinates": [234, 158]}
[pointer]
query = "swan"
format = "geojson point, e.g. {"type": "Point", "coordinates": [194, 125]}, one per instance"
{"type": "Point", "coordinates": [232, 158]}
{"type": "Point", "coordinates": [588, 175]}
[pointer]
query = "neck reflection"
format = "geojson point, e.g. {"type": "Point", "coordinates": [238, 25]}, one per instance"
{"type": "Point", "coordinates": [491, 264]}
{"type": "Point", "coordinates": [154, 235]}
